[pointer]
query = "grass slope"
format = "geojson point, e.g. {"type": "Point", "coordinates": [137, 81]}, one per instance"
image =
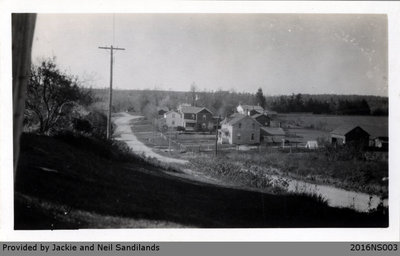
{"type": "Point", "coordinates": [78, 177]}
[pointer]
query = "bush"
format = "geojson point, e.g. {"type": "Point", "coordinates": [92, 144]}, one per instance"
{"type": "Point", "coordinates": [241, 173]}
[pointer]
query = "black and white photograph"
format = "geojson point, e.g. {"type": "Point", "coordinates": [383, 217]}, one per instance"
{"type": "Point", "coordinates": [193, 121]}
{"type": "Point", "coordinates": [182, 120]}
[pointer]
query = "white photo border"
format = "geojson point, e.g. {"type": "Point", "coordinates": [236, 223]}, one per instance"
{"type": "Point", "coordinates": [7, 232]}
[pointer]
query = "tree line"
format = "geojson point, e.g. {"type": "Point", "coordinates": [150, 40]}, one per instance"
{"type": "Point", "coordinates": [335, 104]}
{"type": "Point", "coordinates": [224, 103]}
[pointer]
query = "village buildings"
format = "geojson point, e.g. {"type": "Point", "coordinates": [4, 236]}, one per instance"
{"type": "Point", "coordinates": [252, 125]}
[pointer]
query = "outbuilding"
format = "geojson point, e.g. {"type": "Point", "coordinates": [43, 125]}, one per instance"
{"type": "Point", "coordinates": [272, 135]}
{"type": "Point", "coordinates": [349, 133]}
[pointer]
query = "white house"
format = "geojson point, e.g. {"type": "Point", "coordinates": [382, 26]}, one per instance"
{"type": "Point", "coordinates": [239, 129]}
{"type": "Point", "coordinates": [173, 119]}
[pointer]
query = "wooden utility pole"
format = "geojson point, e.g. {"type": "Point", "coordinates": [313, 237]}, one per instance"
{"type": "Point", "coordinates": [111, 82]}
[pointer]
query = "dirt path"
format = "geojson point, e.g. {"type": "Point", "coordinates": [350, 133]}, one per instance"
{"type": "Point", "coordinates": [124, 132]}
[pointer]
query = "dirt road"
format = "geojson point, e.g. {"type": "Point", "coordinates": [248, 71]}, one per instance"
{"type": "Point", "coordinates": [124, 132]}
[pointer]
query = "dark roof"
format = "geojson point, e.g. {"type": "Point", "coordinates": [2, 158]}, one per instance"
{"type": "Point", "coordinates": [162, 108]}
{"type": "Point", "coordinates": [236, 117]}
{"type": "Point", "coordinates": [192, 109]}
{"type": "Point", "coordinates": [273, 131]}
{"type": "Point", "coordinates": [258, 115]}
{"type": "Point", "coordinates": [171, 111]}
{"type": "Point", "coordinates": [345, 129]}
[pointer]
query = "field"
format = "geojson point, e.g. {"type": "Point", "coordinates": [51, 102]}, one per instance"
{"type": "Point", "coordinates": [328, 123]}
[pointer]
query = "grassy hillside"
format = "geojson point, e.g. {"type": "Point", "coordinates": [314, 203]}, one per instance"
{"type": "Point", "coordinates": [76, 182]}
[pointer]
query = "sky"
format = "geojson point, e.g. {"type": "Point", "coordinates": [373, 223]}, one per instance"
{"type": "Point", "coordinates": [280, 53]}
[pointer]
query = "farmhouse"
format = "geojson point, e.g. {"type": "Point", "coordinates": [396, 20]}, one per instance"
{"type": "Point", "coordinates": [172, 119]}
{"type": "Point", "coordinates": [272, 135]}
{"type": "Point", "coordinates": [239, 129]}
{"type": "Point", "coordinates": [249, 110]}
{"type": "Point", "coordinates": [196, 118]}
{"type": "Point", "coordinates": [349, 133]}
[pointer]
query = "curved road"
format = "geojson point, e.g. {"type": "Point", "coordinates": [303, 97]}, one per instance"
{"type": "Point", "coordinates": [124, 132]}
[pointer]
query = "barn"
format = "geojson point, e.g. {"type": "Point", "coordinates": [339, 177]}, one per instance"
{"type": "Point", "coordinates": [349, 133]}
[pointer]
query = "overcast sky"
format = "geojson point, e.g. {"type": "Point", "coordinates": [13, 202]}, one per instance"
{"type": "Point", "coordinates": [282, 54]}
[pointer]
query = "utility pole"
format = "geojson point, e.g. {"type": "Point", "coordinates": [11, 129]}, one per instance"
{"type": "Point", "coordinates": [111, 82]}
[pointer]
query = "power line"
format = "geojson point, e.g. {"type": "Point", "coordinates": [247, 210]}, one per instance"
{"type": "Point", "coordinates": [113, 41]}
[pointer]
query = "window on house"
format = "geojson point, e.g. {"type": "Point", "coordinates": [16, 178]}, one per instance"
{"type": "Point", "coordinates": [204, 117]}
{"type": "Point", "coordinates": [240, 125]}
{"type": "Point", "coordinates": [252, 136]}
{"type": "Point", "coordinates": [193, 117]}
{"type": "Point", "coordinates": [173, 122]}
{"type": "Point", "coordinates": [238, 136]}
